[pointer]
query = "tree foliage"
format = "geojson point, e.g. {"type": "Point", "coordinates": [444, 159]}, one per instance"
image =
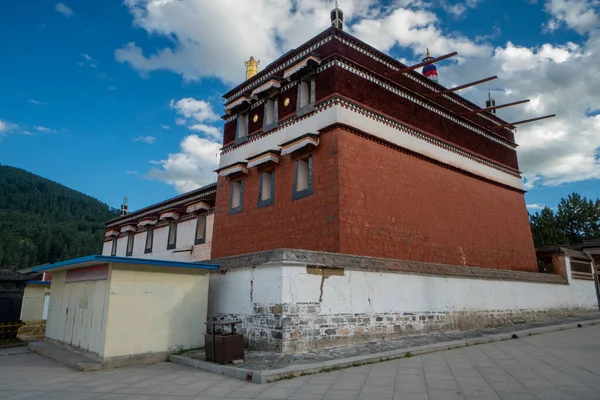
{"type": "Point", "coordinates": [576, 219]}
{"type": "Point", "coordinates": [43, 222]}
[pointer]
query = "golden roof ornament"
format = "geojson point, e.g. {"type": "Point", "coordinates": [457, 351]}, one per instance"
{"type": "Point", "coordinates": [251, 67]}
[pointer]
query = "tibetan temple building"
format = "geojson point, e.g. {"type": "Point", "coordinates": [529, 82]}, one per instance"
{"type": "Point", "coordinates": [357, 198]}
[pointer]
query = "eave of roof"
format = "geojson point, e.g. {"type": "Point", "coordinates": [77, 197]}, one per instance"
{"type": "Point", "coordinates": [91, 261]}
{"type": "Point", "coordinates": [335, 31]}
{"type": "Point", "coordinates": [207, 188]}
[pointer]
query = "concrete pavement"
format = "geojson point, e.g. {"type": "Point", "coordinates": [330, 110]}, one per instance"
{"type": "Point", "coordinates": [560, 365]}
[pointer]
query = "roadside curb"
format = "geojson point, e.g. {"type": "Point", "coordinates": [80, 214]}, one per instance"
{"type": "Point", "coordinates": [266, 376]}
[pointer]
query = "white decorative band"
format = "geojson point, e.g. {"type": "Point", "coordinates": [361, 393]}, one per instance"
{"type": "Point", "coordinates": [197, 207]}
{"type": "Point", "coordinates": [169, 215]}
{"type": "Point", "coordinates": [234, 170]}
{"type": "Point", "coordinates": [271, 84]}
{"type": "Point", "coordinates": [128, 228]}
{"type": "Point", "coordinates": [264, 159]}
{"type": "Point", "coordinates": [291, 71]}
{"type": "Point", "coordinates": [236, 103]}
{"type": "Point", "coordinates": [111, 232]}
{"type": "Point", "coordinates": [147, 221]}
{"type": "Point", "coordinates": [298, 145]}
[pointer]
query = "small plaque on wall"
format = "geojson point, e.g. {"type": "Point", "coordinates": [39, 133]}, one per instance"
{"type": "Point", "coordinates": [97, 273]}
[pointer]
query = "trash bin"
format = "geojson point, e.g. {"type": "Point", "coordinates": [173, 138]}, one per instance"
{"type": "Point", "coordinates": [223, 346]}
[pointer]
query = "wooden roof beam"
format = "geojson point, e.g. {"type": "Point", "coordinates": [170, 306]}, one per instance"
{"type": "Point", "coordinates": [525, 121]}
{"type": "Point", "coordinates": [495, 107]}
{"type": "Point", "coordinates": [455, 89]}
{"type": "Point", "coordinates": [424, 63]}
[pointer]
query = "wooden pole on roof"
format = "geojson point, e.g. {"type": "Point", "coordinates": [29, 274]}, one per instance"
{"type": "Point", "coordinates": [495, 107]}
{"type": "Point", "coordinates": [455, 89]}
{"type": "Point", "coordinates": [424, 63]}
{"type": "Point", "coordinates": [512, 124]}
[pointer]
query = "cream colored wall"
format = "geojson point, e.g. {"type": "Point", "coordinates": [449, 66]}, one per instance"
{"type": "Point", "coordinates": [155, 309]}
{"type": "Point", "coordinates": [77, 313]}
{"type": "Point", "coordinates": [33, 302]}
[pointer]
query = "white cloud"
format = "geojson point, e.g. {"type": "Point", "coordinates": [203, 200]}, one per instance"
{"type": "Point", "coordinates": [112, 88]}
{"type": "Point", "coordinates": [64, 10]}
{"type": "Point", "coordinates": [536, 207]}
{"type": "Point", "coordinates": [132, 172]}
{"type": "Point", "coordinates": [43, 129]}
{"type": "Point", "coordinates": [582, 16]}
{"type": "Point", "coordinates": [7, 127]}
{"type": "Point", "coordinates": [86, 56]}
{"type": "Point", "coordinates": [198, 110]}
{"type": "Point", "coordinates": [192, 167]}
{"type": "Point", "coordinates": [145, 139]}
{"type": "Point", "coordinates": [212, 131]}
{"type": "Point", "coordinates": [166, 127]}
{"type": "Point", "coordinates": [39, 103]}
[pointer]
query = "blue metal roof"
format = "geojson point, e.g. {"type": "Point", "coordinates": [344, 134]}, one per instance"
{"type": "Point", "coordinates": [39, 283]}
{"type": "Point", "coordinates": [96, 260]}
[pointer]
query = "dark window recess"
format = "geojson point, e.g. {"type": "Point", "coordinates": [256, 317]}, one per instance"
{"type": "Point", "coordinates": [271, 114]}
{"type": "Point", "coordinates": [303, 178]}
{"type": "Point", "coordinates": [172, 240]}
{"type": "Point", "coordinates": [113, 250]}
{"type": "Point", "coordinates": [266, 190]}
{"type": "Point", "coordinates": [200, 229]}
{"type": "Point", "coordinates": [130, 238]}
{"type": "Point", "coordinates": [149, 239]}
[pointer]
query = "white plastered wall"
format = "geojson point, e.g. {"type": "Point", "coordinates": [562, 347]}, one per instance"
{"type": "Point", "coordinates": [155, 310]}
{"type": "Point", "coordinates": [238, 290]}
{"type": "Point", "coordinates": [186, 251]}
{"type": "Point", "coordinates": [374, 292]}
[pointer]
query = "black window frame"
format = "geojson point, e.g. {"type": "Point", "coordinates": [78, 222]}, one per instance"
{"type": "Point", "coordinates": [300, 194]}
{"type": "Point", "coordinates": [235, 210]}
{"type": "Point", "coordinates": [113, 249]}
{"type": "Point", "coordinates": [200, 217]}
{"type": "Point", "coordinates": [271, 200]}
{"type": "Point", "coordinates": [267, 126]}
{"type": "Point", "coordinates": [172, 225]}
{"type": "Point", "coordinates": [246, 117]}
{"type": "Point", "coordinates": [150, 238]}
{"type": "Point", "coordinates": [301, 108]}
{"type": "Point", "coordinates": [130, 244]}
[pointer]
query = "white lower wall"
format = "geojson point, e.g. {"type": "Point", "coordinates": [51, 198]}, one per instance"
{"type": "Point", "coordinates": [155, 310]}
{"type": "Point", "coordinates": [292, 308]}
{"type": "Point", "coordinates": [375, 292]}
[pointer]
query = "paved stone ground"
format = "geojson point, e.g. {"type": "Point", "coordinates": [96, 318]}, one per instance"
{"type": "Point", "coordinates": [260, 361]}
{"type": "Point", "coordinates": [561, 365]}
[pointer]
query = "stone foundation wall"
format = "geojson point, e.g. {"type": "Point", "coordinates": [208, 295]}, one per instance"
{"type": "Point", "coordinates": [302, 327]}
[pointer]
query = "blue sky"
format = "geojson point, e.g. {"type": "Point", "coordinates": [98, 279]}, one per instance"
{"type": "Point", "coordinates": [120, 99]}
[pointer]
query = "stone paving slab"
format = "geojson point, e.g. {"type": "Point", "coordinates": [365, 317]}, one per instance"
{"type": "Point", "coordinates": [562, 365]}
{"type": "Point", "coordinates": [262, 367]}
{"type": "Point", "coordinates": [9, 351]}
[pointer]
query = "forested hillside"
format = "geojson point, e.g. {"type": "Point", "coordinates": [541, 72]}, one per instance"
{"type": "Point", "coordinates": [42, 221]}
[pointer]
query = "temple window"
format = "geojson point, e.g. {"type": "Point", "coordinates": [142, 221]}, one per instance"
{"type": "Point", "coordinates": [149, 239]}
{"type": "Point", "coordinates": [270, 114]}
{"type": "Point", "coordinates": [172, 239]}
{"type": "Point", "coordinates": [113, 250]}
{"type": "Point", "coordinates": [266, 190]}
{"type": "Point", "coordinates": [200, 229]}
{"type": "Point", "coordinates": [303, 178]}
{"type": "Point", "coordinates": [130, 237]}
{"type": "Point", "coordinates": [236, 196]}
{"type": "Point", "coordinates": [242, 128]}
{"type": "Point", "coordinates": [306, 93]}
